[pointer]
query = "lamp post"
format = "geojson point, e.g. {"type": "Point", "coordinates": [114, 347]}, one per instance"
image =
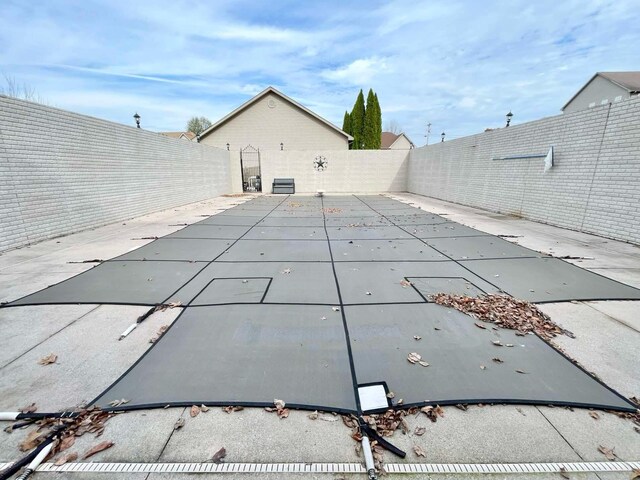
{"type": "Point", "coordinates": [442, 137]}
{"type": "Point", "coordinates": [137, 119]}
{"type": "Point", "coordinates": [509, 115]}
{"type": "Point", "coordinates": [428, 132]}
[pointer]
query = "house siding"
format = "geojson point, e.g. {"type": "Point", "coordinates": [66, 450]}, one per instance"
{"type": "Point", "coordinates": [597, 91]}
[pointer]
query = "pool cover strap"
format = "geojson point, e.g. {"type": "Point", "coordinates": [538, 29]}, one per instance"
{"type": "Point", "coordinates": [373, 435]}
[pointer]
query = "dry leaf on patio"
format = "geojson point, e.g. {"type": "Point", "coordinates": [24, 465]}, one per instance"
{"type": "Point", "coordinates": [283, 413]}
{"type": "Point", "coordinates": [594, 415]}
{"type": "Point", "coordinates": [117, 403]}
{"type": "Point", "coordinates": [286, 270]}
{"type": "Point", "coordinates": [419, 431]}
{"type": "Point", "coordinates": [608, 452]}
{"type": "Point", "coordinates": [219, 455]}
{"type": "Point", "coordinates": [419, 451]}
{"type": "Point", "coordinates": [204, 408]}
{"type": "Point", "coordinates": [66, 443]}
{"type": "Point", "coordinates": [29, 408]}
{"type": "Point", "coordinates": [433, 412]}
{"type": "Point", "coordinates": [482, 367]}
{"type": "Point", "coordinates": [563, 473]}
{"type": "Point", "coordinates": [497, 360]}
{"type": "Point", "coordinates": [98, 448]}
{"type": "Point", "coordinates": [179, 424]}
{"type": "Point", "coordinates": [335, 309]}
{"type": "Point", "coordinates": [423, 363]}
{"type": "Point", "coordinates": [232, 408]}
{"type": "Point", "coordinates": [635, 473]}
{"type": "Point", "coordinates": [195, 411]}
{"type": "Point", "coordinates": [279, 403]}
{"type": "Point", "coordinates": [522, 371]}
{"type": "Point", "coordinates": [497, 343]}
{"type": "Point", "coordinates": [479, 325]}
{"type": "Point", "coordinates": [49, 359]}
{"type": "Point", "coordinates": [33, 439]}
{"type": "Point", "coordinates": [414, 357]}
{"type": "Point", "coordinates": [405, 283]}
{"type": "Point", "coordinates": [417, 337]}
{"type": "Point", "coordinates": [66, 458]}
{"type": "Point", "coordinates": [313, 415]}
{"type": "Point", "coordinates": [391, 395]}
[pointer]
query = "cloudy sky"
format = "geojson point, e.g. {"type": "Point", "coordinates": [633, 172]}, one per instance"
{"type": "Point", "coordinates": [460, 65]}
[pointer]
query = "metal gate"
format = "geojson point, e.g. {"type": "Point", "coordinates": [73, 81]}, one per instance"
{"type": "Point", "coordinates": [250, 167]}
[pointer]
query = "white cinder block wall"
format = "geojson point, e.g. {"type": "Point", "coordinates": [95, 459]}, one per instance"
{"type": "Point", "coordinates": [594, 186]}
{"type": "Point", "coordinates": [348, 171]}
{"type": "Point", "coordinates": [61, 172]}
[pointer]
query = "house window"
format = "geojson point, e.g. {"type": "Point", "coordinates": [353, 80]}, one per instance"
{"type": "Point", "coordinates": [592, 104]}
{"type": "Point", "coordinates": [604, 102]}
{"type": "Point", "coordinates": [618, 98]}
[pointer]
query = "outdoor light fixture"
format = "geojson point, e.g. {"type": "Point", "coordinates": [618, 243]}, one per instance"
{"type": "Point", "coordinates": [442, 136]}
{"type": "Point", "coordinates": [137, 119]}
{"type": "Point", "coordinates": [509, 115]}
{"type": "Point", "coordinates": [227, 145]}
{"type": "Point", "coordinates": [281, 146]}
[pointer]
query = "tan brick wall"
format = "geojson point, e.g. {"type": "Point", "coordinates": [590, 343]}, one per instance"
{"type": "Point", "coordinates": [62, 172]}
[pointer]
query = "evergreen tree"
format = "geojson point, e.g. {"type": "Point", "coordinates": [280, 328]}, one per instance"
{"type": "Point", "coordinates": [370, 122]}
{"type": "Point", "coordinates": [379, 125]}
{"type": "Point", "coordinates": [357, 122]}
{"type": "Point", "coordinates": [346, 123]}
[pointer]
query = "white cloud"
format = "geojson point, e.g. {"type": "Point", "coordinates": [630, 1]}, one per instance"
{"type": "Point", "coordinates": [358, 72]}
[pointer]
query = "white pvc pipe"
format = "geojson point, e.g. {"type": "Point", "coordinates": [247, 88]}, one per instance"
{"type": "Point", "coordinates": [35, 463]}
{"type": "Point", "coordinates": [40, 457]}
{"type": "Point", "coordinates": [368, 458]}
{"type": "Point", "coordinates": [9, 416]}
{"type": "Point", "coordinates": [128, 331]}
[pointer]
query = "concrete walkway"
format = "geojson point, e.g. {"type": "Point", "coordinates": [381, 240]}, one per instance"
{"type": "Point", "coordinates": [90, 357]}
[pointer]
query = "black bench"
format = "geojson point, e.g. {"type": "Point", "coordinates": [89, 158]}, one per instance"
{"type": "Point", "coordinates": [283, 185]}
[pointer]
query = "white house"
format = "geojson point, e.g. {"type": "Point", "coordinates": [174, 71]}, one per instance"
{"type": "Point", "coordinates": [604, 88]}
{"type": "Point", "coordinates": [392, 141]}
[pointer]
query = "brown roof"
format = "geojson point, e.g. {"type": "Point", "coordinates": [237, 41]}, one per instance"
{"type": "Point", "coordinates": [627, 80]}
{"type": "Point", "coordinates": [189, 135]}
{"type": "Point", "coordinates": [387, 140]}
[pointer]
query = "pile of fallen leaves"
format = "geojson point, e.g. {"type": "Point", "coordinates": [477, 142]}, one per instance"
{"type": "Point", "coordinates": [331, 210]}
{"type": "Point", "coordinates": [504, 311]}
{"type": "Point", "coordinates": [87, 420]}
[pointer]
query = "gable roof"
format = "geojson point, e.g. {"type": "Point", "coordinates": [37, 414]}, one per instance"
{"type": "Point", "coordinates": [187, 135]}
{"type": "Point", "coordinates": [630, 81]}
{"type": "Point", "coordinates": [387, 139]}
{"type": "Point", "coordinates": [262, 94]}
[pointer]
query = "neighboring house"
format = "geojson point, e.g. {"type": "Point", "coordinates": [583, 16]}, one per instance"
{"type": "Point", "coordinates": [391, 141]}
{"type": "Point", "coordinates": [181, 135]}
{"type": "Point", "coordinates": [604, 88]}
{"type": "Point", "coordinates": [273, 121]}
